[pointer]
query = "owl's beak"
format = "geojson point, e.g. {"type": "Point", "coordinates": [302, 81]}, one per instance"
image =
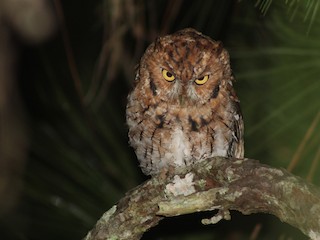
{"type": "Point", "coordinates": [182, 100]}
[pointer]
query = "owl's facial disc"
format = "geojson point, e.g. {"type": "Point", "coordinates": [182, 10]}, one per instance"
{"type": "Point", "coordinates": [184, 90]}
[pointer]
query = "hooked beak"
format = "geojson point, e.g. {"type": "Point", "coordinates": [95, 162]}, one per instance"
{"type": "Point", "coordinates": [182, 100]}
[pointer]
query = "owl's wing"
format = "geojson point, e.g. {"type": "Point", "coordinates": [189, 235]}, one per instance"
{"type": "Point", "coordinates": [236, 145]}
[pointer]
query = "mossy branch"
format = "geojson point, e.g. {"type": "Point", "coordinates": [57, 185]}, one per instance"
{"type": "Point", "coordinates": [218, 183]}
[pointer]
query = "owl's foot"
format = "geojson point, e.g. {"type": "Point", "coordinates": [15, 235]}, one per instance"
{"type": "Point", "coordinates": [166, 172]}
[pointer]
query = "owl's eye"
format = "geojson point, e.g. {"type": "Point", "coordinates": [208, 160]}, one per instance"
{"type": "Point", "coordinates": [202, 80]}
{"type": "Point", "coordinates": [168, 75]}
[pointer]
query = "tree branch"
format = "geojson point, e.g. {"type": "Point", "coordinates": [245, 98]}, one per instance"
{"type": "Point", "coordinates": [218, 183]}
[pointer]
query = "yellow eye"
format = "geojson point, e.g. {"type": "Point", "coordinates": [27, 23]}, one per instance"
{"type": "Point", "coordinates": [168, 75]}
{"type": "Point", "coordinates": [203, 80]}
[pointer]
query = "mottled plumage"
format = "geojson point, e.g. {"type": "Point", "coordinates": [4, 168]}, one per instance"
{"type": "Point", "coordinates": [183, 108]}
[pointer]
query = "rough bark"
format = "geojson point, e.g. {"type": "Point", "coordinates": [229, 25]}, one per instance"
{"type": "Point", "coordinates": [218, 183]}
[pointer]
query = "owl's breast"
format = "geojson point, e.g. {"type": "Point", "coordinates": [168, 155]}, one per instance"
{"type": "Point", "coordinates": [166, 136]}
{"type": "Point", "coordinates": [179, 147]}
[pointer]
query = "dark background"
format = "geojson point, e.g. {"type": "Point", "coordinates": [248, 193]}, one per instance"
{"type": "Point", "coordinates": [73, 87]}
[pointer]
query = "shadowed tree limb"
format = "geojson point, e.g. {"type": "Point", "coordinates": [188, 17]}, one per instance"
{"type": "Point", "coordinates": [218, 183]}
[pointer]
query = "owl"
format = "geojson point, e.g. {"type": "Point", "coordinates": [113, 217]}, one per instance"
{"type": "Point", "coordinates": [183, 108]}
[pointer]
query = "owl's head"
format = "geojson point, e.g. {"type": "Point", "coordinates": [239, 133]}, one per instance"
{"type": "Point", "coordinates": [186, 68]}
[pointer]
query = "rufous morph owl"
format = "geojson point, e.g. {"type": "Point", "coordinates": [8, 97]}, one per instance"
{"type": "Point", "coordinates": [183, 108]}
